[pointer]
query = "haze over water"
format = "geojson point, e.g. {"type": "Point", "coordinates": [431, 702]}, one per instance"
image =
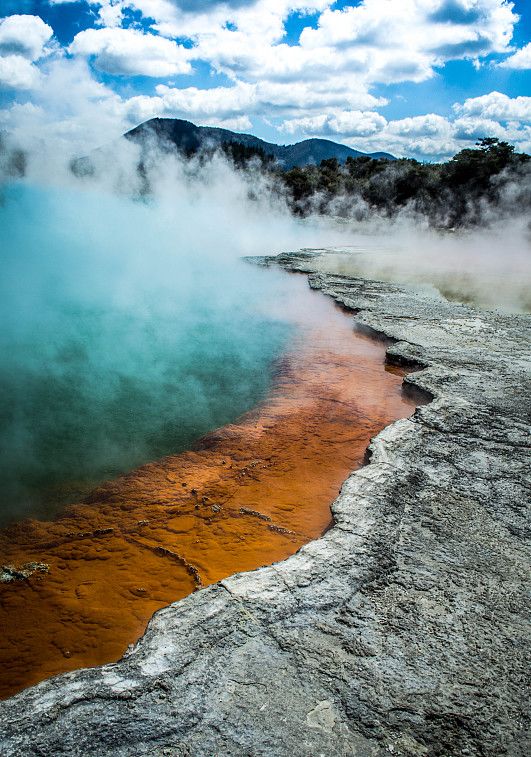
{"type": "Point", "coordinates": [123, 339]}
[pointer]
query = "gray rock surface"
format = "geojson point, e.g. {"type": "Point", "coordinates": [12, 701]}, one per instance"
{"type": "Point", "coordinates": [404, 630]}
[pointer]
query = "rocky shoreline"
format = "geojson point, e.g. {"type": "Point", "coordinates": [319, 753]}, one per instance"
{"type": "Point", "coordinates": [78, 590]}
{"type": "Point", "coordinates": [404, 630]}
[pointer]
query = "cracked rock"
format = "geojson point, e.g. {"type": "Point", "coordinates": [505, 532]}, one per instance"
{"type": "Point", "coordinates": [404, 630]}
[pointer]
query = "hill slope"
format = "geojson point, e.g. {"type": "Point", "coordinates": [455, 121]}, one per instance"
{"type": "Point", "coordinates": [189, 138]}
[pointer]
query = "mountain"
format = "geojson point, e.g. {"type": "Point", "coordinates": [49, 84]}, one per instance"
{"type": "Point", "coordinates": [189, 138]}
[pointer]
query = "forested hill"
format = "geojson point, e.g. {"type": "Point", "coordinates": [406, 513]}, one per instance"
{"type": "Point", "coordinates": [189, 139]}
{"type": "Point", "coordinates": [316, 176]}
{"type": "Point", "coordinates": [477, 185]}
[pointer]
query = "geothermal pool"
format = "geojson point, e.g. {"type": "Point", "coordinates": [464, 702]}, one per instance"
{"type": "Point", "coordinates": [245, 398]}
{"type": "Point", "coordinates": [116, 346]}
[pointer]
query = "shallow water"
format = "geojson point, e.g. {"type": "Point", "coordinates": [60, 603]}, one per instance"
{"type": "Point", "coordinates": [120, 343]}
{"type": "Point", "coordinates": [249, 494]}
{"type": "Point", "coordinates": [123, 341]}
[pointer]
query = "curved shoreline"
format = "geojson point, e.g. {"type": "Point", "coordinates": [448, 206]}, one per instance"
{"type": "Point", "coordinates": [402, 630]}
{"type": "Point", "coordinates": [249, 494]}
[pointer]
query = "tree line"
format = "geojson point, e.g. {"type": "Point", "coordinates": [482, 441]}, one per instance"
{"type": "Point", "coordinates": [489, 180]}
{"type": "Point", "coordinates": [492, 177]}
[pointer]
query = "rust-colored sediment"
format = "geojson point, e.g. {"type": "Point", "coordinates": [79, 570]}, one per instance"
{"type": "Point", "coordinates": [251, 494]}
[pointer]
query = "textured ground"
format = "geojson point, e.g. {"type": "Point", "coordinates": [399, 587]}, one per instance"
{"type": "Point", "coordinates": [404, 630]}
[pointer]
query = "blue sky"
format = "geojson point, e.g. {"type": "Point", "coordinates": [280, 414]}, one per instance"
{"type": "Point", "coordinates": [415, 77]}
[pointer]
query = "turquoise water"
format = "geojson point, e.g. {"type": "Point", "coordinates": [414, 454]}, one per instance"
{"type": "Point", "coordinates": [122, 340]}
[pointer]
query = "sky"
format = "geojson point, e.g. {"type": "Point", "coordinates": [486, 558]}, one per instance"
{"type": "Point", "coordinates": [418, 78]}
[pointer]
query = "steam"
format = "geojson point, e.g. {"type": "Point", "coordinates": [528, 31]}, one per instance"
{"type": "Point", "coordinates": [488, 267]}
{"type": "Point", "coordinates": [486, 262]}
{"type": "Point", "coordinates": [442, 196]}
{"type": "Point", "coordinates": [130, 325]}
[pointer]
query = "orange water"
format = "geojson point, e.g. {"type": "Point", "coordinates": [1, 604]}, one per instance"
{"type": "Point", "coordinates": [250, 494]}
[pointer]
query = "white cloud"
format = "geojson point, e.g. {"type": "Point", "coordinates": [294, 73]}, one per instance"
{"type": "Point", "coordinates": [497, 106]}
{"type": "Point", "coordinates": [23, 40]}
{"type": "Point", "coordinates": [261, 18]}
{"type": "Point", "coordinates": [216, 105]}
{"type": "Point", "coordinates": [223, 101]}
{"type": "Point", "coordinates": [520, 60]}
{"type": "Point", "coordinates": [354, 123]}
{"type": "Point", "coordinates": [334, 91]}
{"type": "Point", "coordinates": [110, 13]}
{"type": "Point", "coordinates": [206, 106]}
{"type": "Point", "coordinates": [377, 41]}
{"type": "Point", "coordinates": [130, 52]}
{"type": "Point", "coordinates": [475, 128]}
{"type": "Point", "coordinates": [17, 72]}
{"type": "Point", "coordinates": [429, 125]}
{"type": "Point", "coordinates": [430, 136]}
{"type": "Point", "coordinates": [406, 40]}
{"type": "Point", "coordinates": [320, 85]}
{"type": "Point", "coordinates": [243, 100]}
{"type": "Point", "coordinates": [25, 36]}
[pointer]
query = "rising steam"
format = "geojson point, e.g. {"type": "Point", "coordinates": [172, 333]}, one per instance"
{"type": "Point", "coordinates": [130, 326]}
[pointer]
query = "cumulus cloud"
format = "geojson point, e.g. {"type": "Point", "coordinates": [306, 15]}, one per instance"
{"type": "Point", "coordinates": [407, 40]}
{"type": "Point", "coordinates": [320, 84]}
{"type": "Point", "coordinates": [23, 40]}
{"type": "Point", "coordinates": [219, 105]}
{"type": "Point", "coordinates": [429, 125]}
{"type": "Point", "coordinates": [472, 129]}
{"type": "Point", "coordinates": [17, 72]}
{"type": "Point", "coordinates": [130, 52]}
{"type": "Point", "coordinates": [385, 42]}
{"type": "Point", "coordinates": [497, 106]}
{"type": "Point", "coordinates": [329, 92]}
{"type": "Point", "coordinates": [24, 35]}
{"type": "Point", "coordinates": [520, 60]}
{"type": "Point", "coordinates": [354, 123]}
{"type": "Point", "coordinates": [426, 136]}
{"type": "Point", "coordinates": [243, 100]}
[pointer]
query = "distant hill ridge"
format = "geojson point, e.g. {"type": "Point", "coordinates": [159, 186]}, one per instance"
{"type": "Point", "coordinates": [190, 138]}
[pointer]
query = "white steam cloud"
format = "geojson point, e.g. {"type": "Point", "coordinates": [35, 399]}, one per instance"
{"type": "Point", "coordinates": [123, 300]}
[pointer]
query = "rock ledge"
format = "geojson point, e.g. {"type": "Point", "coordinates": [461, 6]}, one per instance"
{"type": "Point", "coordinates": [404, 630]}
